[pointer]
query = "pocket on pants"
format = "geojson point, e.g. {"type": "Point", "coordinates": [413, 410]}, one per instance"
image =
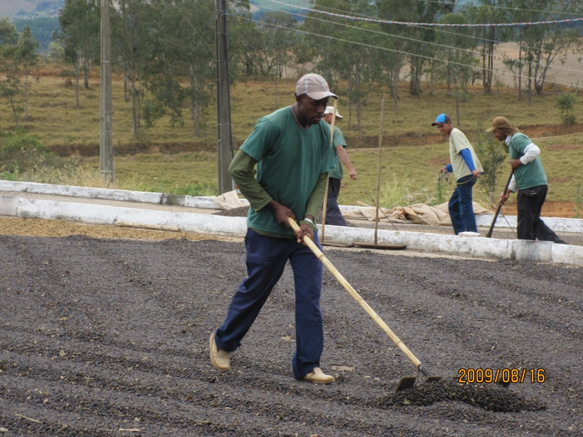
{"type": "Point", "coordinates": [532, 192]}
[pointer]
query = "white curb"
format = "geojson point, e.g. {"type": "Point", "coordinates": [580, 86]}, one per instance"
{"type": "Point", "coordinates": [77, 211]}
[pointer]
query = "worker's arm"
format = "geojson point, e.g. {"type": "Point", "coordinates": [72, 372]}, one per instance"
{"type": "Point", "coordinates": [242, 170]}
{"type": "Point", "coordinates": [316, 199]}
{"type": "Point", "coordinates": [530, 154]}
{"type": "Point", "coordinates": [346, 161]}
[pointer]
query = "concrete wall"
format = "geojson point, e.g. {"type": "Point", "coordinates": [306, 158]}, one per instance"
{"type": "Point", "coordinates": [76, 208]}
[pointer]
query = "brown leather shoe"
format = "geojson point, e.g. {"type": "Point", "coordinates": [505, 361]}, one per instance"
{"type": "Point", "coordinates": [318, 377]}
{"type": "Point", "coordinates": [219, 358]}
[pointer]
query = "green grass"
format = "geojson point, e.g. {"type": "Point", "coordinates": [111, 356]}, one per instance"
{"type": "Point", "coordinates": [413, 151]}
{"type": "Point", "coordinates": [183, 173]}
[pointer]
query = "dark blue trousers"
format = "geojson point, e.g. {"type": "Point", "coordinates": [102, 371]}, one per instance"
{"type": "Point", "coordinates": [333, 213]}
{"type": "Point", "coordinates": [461, 209]}
{"type": "Point", "coordinates": [266, 260]}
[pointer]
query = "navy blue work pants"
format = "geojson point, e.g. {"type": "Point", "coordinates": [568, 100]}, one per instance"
{"type": "Point", "coordinates": [461, 208]}
{"type": "Point", "coordinates": [266, 260]}
{"type": "Point", "coordinates": [333, 214]}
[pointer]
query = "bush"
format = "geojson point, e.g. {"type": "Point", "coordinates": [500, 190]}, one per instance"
{"type": "Point", "coordinates": [566, 103]}
{"type": "Point", "coordinates": [22, 153]}
{"type": "Point", "coordinates": [492, 155]}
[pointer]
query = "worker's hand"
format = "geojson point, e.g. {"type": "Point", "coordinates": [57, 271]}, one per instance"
{"type": "Point", "coordinates": [281, 213]}
{"type": "Point", "coordinates": [443, 170]}
{"type": "Point", "coordinates": [504, 197]}
{"type": "Point", "coordinates": [353, 174]}
{"type": "Point", "coordinates": [476, 173]}
{"type": "Point", "coordinates": [515, 163]}
{"type": "Point", "coordinates": [305, 231]}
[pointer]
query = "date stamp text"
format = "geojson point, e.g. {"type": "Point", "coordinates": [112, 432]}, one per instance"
{"type": "Point", "coordinates": [505, 375]}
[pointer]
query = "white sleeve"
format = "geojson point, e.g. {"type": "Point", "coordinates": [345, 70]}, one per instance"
{"type": "Point", "coordinates": [512, 185]}
{"type": "Point", "coordinates": [530, 153]}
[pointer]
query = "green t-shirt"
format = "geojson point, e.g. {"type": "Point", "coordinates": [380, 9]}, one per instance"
{"type": "Point", "coordinates": [458, 142]}
{"type": "Point", "coordinates": [338, 140]}
{"type": "Point", "coordinates": [289, 161]}
{"type": "Point", "coordinates": [529, 175]}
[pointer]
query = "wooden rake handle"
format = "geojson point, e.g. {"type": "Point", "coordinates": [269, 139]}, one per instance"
{"type": "Point", "coordinates": [314, 248]}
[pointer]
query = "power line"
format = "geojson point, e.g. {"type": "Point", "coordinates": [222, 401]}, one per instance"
{"type": "Point", "coordinates": [407, 53]}
{"type": "Point", "coordinates": [393, 35]}
{"type": "Point", "coordinates": [404, 23]}
{"type": "Point", "coordinates": [482, 7]}
{"type": "Point", "coordinates": [442, 31]}
{"type": "Point", "coordinates": [430, 58]}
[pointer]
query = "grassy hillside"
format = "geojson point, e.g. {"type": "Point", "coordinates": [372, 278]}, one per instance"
{"type": "Point", "coordinates": [173, 160]}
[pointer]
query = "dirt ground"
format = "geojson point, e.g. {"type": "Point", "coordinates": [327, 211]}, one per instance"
{"type": "Point", "coordinates": [104, 332]}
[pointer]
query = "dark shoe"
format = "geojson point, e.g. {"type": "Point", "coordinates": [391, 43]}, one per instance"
{"type": "Point", "coordinates": [318, 377]}
{"type": "Point", "coordinates": [219, 358]}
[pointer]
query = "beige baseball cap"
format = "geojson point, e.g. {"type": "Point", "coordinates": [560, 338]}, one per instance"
{"type": "Point", "coordinates": [314, 86]}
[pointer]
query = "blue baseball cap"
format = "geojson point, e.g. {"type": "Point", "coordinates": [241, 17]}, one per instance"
{"type": "Point", "coordinates": [441, 118]}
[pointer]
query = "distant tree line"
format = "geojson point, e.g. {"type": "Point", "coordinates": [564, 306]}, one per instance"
{"type": "Point", "coordinates": [165, 49]}
{"type": "Point", "coordinates": [42, 29]}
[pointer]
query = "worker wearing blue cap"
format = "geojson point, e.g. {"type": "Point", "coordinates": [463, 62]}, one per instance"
{"type": "Point", "coordinates": [466, 169]}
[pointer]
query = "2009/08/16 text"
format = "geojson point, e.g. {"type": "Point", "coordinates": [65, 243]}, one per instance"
{"type": "Point", "coordinates": [505, 375]}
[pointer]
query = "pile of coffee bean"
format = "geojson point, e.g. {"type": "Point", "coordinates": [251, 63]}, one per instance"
{"type": "Point", "coordinates": [491, 397]}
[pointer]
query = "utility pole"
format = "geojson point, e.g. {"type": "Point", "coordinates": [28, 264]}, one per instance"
{"type": "Point", "coordinates": [225, 138]}
{"type": "Point", "coordinates": [106, 140]}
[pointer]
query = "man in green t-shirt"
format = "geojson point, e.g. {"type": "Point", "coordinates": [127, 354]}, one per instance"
{"type": "Point", "coordinates": [333, 213]}
{"type": "Point", "coordinates": [291, 152]}
{"type": "Point", "coordinates": [529, 178]}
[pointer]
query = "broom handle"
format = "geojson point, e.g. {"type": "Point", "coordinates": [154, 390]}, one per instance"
{"type": "Point", "coordinates": [308, 242]}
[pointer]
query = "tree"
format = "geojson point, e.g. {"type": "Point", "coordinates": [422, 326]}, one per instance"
{"type": "Point", "coordinates": [10, 90]}
{"type": "Point", "coordinates": [181, 46]}
{"type": "Point", "coordinates": [566, 104]}
{"type": "Point", "coordinates": [244, 41]}
{"type": "Point", "coordinates": [394, 60]}
{"type": "Point", "coordinates": [9, 78]}
{"type": "Point", "coordinates": [546, 43]}
{"type": "Point", "coordinates": [457, 52]}
{"type": "Point", "coordinates": [8, 33]}
{"type": "Point", "coordinates": [42, 28]}
{"type": "Point", "coordinates": [131, 31]}
{"type": "Point", "coordinates": [346, 50]}
{"type": "Point", "coordinates": [280, 34]}
{"type": "Point", "coordinates": [27, 60]}
{"type": "Point", "coordinates": [199, 61]}
{"type": "Point", "coordinates": [487, 12]}
{"type": "Point", "coordinates": [80, 24]}
{"type": "Point", "coordinates": [421, 37]}
{"type": "Point", "coordinates": [493, 155]}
